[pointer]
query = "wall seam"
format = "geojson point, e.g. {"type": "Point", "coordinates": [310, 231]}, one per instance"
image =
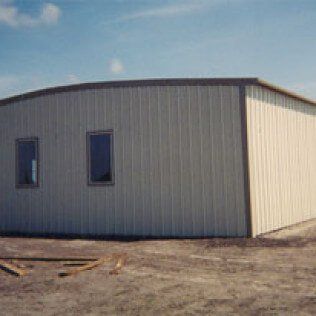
{"type": "Point", "coordinates": [244, 141]}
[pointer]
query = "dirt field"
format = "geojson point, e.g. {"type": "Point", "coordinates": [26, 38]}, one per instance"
{"type": "Point", "coordinates": [274, 274]}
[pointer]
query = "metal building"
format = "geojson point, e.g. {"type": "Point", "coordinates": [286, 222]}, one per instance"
{"type": "Point", "coordinates": [172, 157]}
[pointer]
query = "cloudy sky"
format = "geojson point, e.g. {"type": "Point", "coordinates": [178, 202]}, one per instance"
{"type": "Point", "coordinates": [54, 42]}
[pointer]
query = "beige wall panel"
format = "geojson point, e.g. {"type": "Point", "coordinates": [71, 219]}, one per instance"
{"type": "Point", "coordinates": [282, 159]}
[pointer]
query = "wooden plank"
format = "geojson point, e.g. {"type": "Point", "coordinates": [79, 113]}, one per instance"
{"type": "Point", "coordinates": [12, 269]}
{"type": "Point", "coordinates": [74, 264]}
{"type": "Point", "coordinates": [49, 259]}
{"type": "Point", "coordinates": [120, 263]}
{"type": "Point", "coordinates": [85, 267]}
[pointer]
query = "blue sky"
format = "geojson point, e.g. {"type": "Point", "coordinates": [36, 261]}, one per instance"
{"type": "Point", "coordinates": [48, 43]}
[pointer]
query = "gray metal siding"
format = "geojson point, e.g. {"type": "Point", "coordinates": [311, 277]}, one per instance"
{"type": "Point", "coordinates": [178, 163]}
{"type": "Point", "coordinates": [282, 159]}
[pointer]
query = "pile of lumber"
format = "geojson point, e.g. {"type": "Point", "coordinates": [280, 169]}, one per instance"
{"type": "Point", "coordinates": [83, 264]}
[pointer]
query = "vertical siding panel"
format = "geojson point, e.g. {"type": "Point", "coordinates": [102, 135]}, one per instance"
{"type": "Point", "coordinates": [293, 165]}
{"type": "Point", "coordinates": [19, 213]}
{"type": "Point", "coordinates": [12, 135]}
{"type": "Point", "coordinates": [62, 164]}
{"type": "Point", "coordinates": [84, 128]}
{"type": "Point", "coordinates": [239, 205]}
{"type": "Point", "coordinates": [160, 230]}
{"type": "Point", "coordinates": [170, 171]}
{"type": "Point", "coordinates": [16, 210]}
{"type": "Point", "coordinates": [68, 166]}
{"type": "Point", "coordinates": [175, 165]}
{"type": "Point", "coordinates": [43, 161]}
{"type": "Point", "coordinates": [206, 157]}
{"type": "Point", "coordinates": [228, 147]}
{"type": "Point", "coordinates": [214, 160]}
{"type": "Point", "coordinates": [128, 211]}
{"type": "Point", "coordinates": [65, 164]}
{"type": "Point", "coordinates": [165, 154]}
{"type": "Point", "coordinates": [185, 158]}
{"type": "Point", "coordinates": [155, 162]}
{"type": "Point", "coordinates": [136, 161]}
{"type": "Point", "coordinates": [196, 157]}
{"type": "Point", "coordinates": [212, 96]}
{"type": "Point", "coordinates": [139, 229]}
{"type": "Point", "coordinates": [310, 153]}
{"type": "Point", "coordinates": [57, 204]}
{"type": "Point", "coordinates": [29, 198]}
{"type": "Point", "coordinates": [5, 207]}
{"type": "Point", "coordinates": [146, 164]}
{"type": "Point", "coordinates": [191, 169]}
{"type": "Point", "coordinates": [6, 185]}
{"type": "Point", "coordinates": [72, 210]}
{"type": "Point", "coordinates": [257, 128]}
{"type": "Point", "coordinates": [135, 153]}
{"type": "Point", "coordinates": [269, 152]}
{"type": "Point", "coordinates": [225, 156]}
{"type": "Point", "coordinates": [218, 166]}
{"type": "Point", "coordinates": [51, 165]}
{"type": "Point", "coordinates": [69, 140]}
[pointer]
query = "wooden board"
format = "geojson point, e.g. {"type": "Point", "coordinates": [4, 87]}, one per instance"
{"type": "Point", "coordinates": [85, 267]}
{"type": "Point", "coordinates": [12, 269]}
{"type": "Point", "coordinates": [48, 259]}
{"type": "Point", "coordinates": [121, 260]}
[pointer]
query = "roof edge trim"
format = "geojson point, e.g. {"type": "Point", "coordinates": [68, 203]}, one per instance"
{"type": "Point", "coordinates": [154, 82]}
{"type": "Point", "coordinates": [287, 92]}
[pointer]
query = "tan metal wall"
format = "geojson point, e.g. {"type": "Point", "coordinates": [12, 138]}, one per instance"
{"type": "Point", "coordinates": [178, 163]}
{"type": "Point", "coordinates": [282, 159]}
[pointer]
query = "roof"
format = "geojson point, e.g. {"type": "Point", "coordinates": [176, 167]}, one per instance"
{"type": "Point", "coordinates": [156, 82]}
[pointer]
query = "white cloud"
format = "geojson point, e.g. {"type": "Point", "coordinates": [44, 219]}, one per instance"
{"type": "Point", "coordinates": [71, 78]}
{"type": "Point", "coordinates": [177, 8]}
{"type": "Point", "coordinates": [10, 15]}
{"type": "Point", "coordinates": [116, 66]}
{"type": "Point", "coordinates": [50, 13]}
{"type": "Point", "coordinates": [165, 11]}
{"type": "Point", "coordinates": [171, 10]}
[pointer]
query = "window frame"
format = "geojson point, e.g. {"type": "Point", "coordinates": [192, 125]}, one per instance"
{"type": "Point", "coordinates": [33, 185]}
{"type": "Point", "coordinates": [100, 132]}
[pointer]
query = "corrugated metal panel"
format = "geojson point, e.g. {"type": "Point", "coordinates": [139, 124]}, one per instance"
{"type": "Point", "coordinates": [282, 159]}
{"type": "Point", "coordinates": [178, 162]}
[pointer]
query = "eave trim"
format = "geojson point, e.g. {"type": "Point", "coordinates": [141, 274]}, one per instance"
{"type": "Point", "coordinates": [154, 82]}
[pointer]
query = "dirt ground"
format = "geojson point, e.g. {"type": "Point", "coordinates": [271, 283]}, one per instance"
{"type": "Point", "coordinates": [271, 275]}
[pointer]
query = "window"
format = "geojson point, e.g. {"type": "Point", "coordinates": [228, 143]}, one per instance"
{"type": "Point", "coordinates": [27, 163]}
{"type": "Point", "coordinates": [100, 148]}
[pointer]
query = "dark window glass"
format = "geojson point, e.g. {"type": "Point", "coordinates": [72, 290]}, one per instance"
{"type": "Point", "coordinates": [100, 157]}
{"type": "Point", "coordinates": [27, 163]}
